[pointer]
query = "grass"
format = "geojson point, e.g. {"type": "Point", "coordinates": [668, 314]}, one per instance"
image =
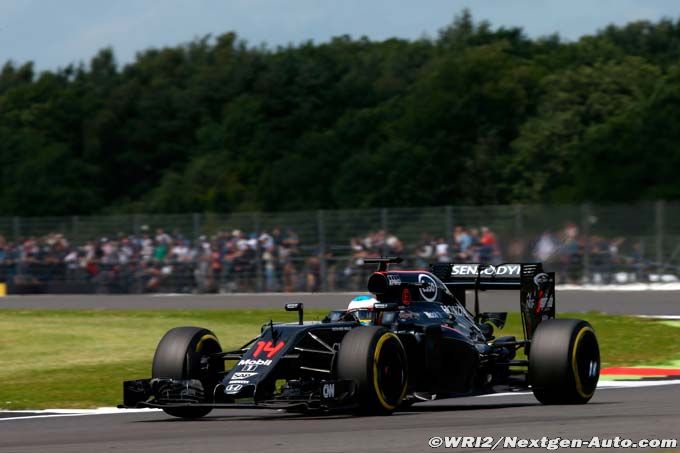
{"type": "Point", "coordinates": [78, 359]}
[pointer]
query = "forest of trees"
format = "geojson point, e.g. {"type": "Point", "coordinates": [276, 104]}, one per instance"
{"type": "Point", "coordinates": [477, 115]}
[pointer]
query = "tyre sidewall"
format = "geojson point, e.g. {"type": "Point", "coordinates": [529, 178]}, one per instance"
{"type": "Point", "coordinates": [555, 369]}
{"type": "Point", "coordinates": [178, 356]}
{"type": "Point", "coordinates": [360, 353]}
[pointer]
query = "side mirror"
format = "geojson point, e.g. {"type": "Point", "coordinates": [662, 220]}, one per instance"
{"type": "Point", "coordinates": [498, 319]}
{"type": "Point", "coordinates": [334, 316]}
{"type": "Point", "coordinates": [298, 307]}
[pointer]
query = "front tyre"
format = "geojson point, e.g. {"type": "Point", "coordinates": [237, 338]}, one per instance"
{"type": "Point", "coordinates": [564, 362]}
{"type": "Point", "coordinates": [375, 360]}
{"type": "Point", "coordinates": [179, 355]}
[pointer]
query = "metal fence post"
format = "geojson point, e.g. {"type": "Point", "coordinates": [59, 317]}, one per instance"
{"type": "Point", "coordinates": [519, 224]}
{"type": "Point", "coordinates": [448, 223]}
{"type": "Point", "coordinates": [321, 232]}
{"type": "Point", "coordinates": [659, 216]}
{"type": "Point", "coordinates": [585, 228]}
{"type": "Point", "coordinates": [16, 227]}
{"type": "Point", "coordinates": [384, 225]}
{"type": "Point", "coordinates": [135, 224]}
{"type": "Point", "coordinates": [196, 225]}
{"type": "Point", "coordinates": [74, 228]}
{"type": "Point", "coordinates": [259, 282]}
{"type": "Point", "coordinates": [518, 232]}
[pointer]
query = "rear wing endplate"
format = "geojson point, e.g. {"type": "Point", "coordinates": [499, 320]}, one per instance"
{"type": "Point", "coordinates": [536, 287]}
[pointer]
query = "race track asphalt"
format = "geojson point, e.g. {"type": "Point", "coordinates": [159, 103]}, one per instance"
{"type": "Point", "coordinates": [638, 413]}
{"type": "Point", "coordinates": [613, 302]}
{"type": "Point", "coordinates": [635, 413]}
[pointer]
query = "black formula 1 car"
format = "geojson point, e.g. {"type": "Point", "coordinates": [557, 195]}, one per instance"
{"type": "Point", "coordinates": [417, 342]}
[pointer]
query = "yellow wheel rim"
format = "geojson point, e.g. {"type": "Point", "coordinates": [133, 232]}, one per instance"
{"type": "Point", "coordinates": [574, 364]}
{"type": "Point", "coordinates": [376, 384]}
{"type": "Point", "coordinates": [204, 338]}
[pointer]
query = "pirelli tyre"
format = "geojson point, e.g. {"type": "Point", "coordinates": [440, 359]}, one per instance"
{"type": "Point", "coordinates": [375, 360]}
{"type": "Point", "coordinates": [178, 356]}
{"type": "Point", "coordinates": [564, 362]}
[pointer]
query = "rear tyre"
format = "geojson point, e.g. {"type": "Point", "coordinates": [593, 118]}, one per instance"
{"type": "Point", "coordinates": [178, 356]}
{"type": "Point", "coordinates": [375, 360]}
{"type": "Point", "coordinates": [564, 362]}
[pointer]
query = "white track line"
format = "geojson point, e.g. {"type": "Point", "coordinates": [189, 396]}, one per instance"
{"type": "Point", "coordinates": [632, 287]}
{"type": "Point", "coordinates": [603, 385]}
{"type": "Point", "coordinates": [254, 295]}
{"type": "Point", "coordinates": [673, 286]}
{"type": "Point", "coordinates": [635, 384]}
{"type": "Point", "coordinates": [51, 413]}
{"type": "Point", "coordinates": [665, 317]}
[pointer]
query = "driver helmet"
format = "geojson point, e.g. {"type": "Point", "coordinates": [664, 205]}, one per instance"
{"type": "Point", "coordinates": [362, 306]}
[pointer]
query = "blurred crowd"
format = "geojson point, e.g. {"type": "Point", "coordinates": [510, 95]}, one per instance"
{"type": "Point", "coordinates": [275, 260]}
{"type": "Point", "coordinates": [563, 251]}
{"type": "Point", "coordinates": [161, 262]}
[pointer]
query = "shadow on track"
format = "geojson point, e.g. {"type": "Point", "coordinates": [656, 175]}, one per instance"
{"type": "Point", "coordinates": [413, 410]}
{"type": "Point", "coordinates": [465, 407]}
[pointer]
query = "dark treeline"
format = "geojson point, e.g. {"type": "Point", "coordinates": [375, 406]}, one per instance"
{"type": "Point", "coordinates": [477, 115]}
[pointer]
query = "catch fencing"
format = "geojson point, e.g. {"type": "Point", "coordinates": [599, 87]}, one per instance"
{"type": "Point", "coordinates": [322, 250]}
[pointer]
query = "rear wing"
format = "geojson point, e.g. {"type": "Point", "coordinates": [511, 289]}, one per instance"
{"type": "Point", "coordinates": [536, 287]}
{"type": "Point", "coordinates": [484, 276]}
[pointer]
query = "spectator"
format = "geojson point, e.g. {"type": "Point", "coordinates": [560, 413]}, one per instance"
{"type": "Point", "coordinates": [425, 251]}
{"type": "Point", "coordinates": [462, 244]}
{"type": "Point", "coordinates": [488, 247]}
{"type": "Point", "coordinates": [572, 253]}
{"type": "Point", "coordinates": [278, 259]}
{"type": "Point", "coordinates": [546, 247]}
{"type": "Point", "coordinates": [442, 251]}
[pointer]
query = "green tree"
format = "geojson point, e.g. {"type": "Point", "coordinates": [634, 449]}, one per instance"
{"type": "Point", "coordinates": [550, 151]}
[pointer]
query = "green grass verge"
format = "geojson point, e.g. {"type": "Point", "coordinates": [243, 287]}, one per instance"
{"type": "Point", "coordinates": [78, 359]}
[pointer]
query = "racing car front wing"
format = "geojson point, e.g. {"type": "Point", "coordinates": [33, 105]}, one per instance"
{"type": "Point", "coordinates": [175, 393]}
